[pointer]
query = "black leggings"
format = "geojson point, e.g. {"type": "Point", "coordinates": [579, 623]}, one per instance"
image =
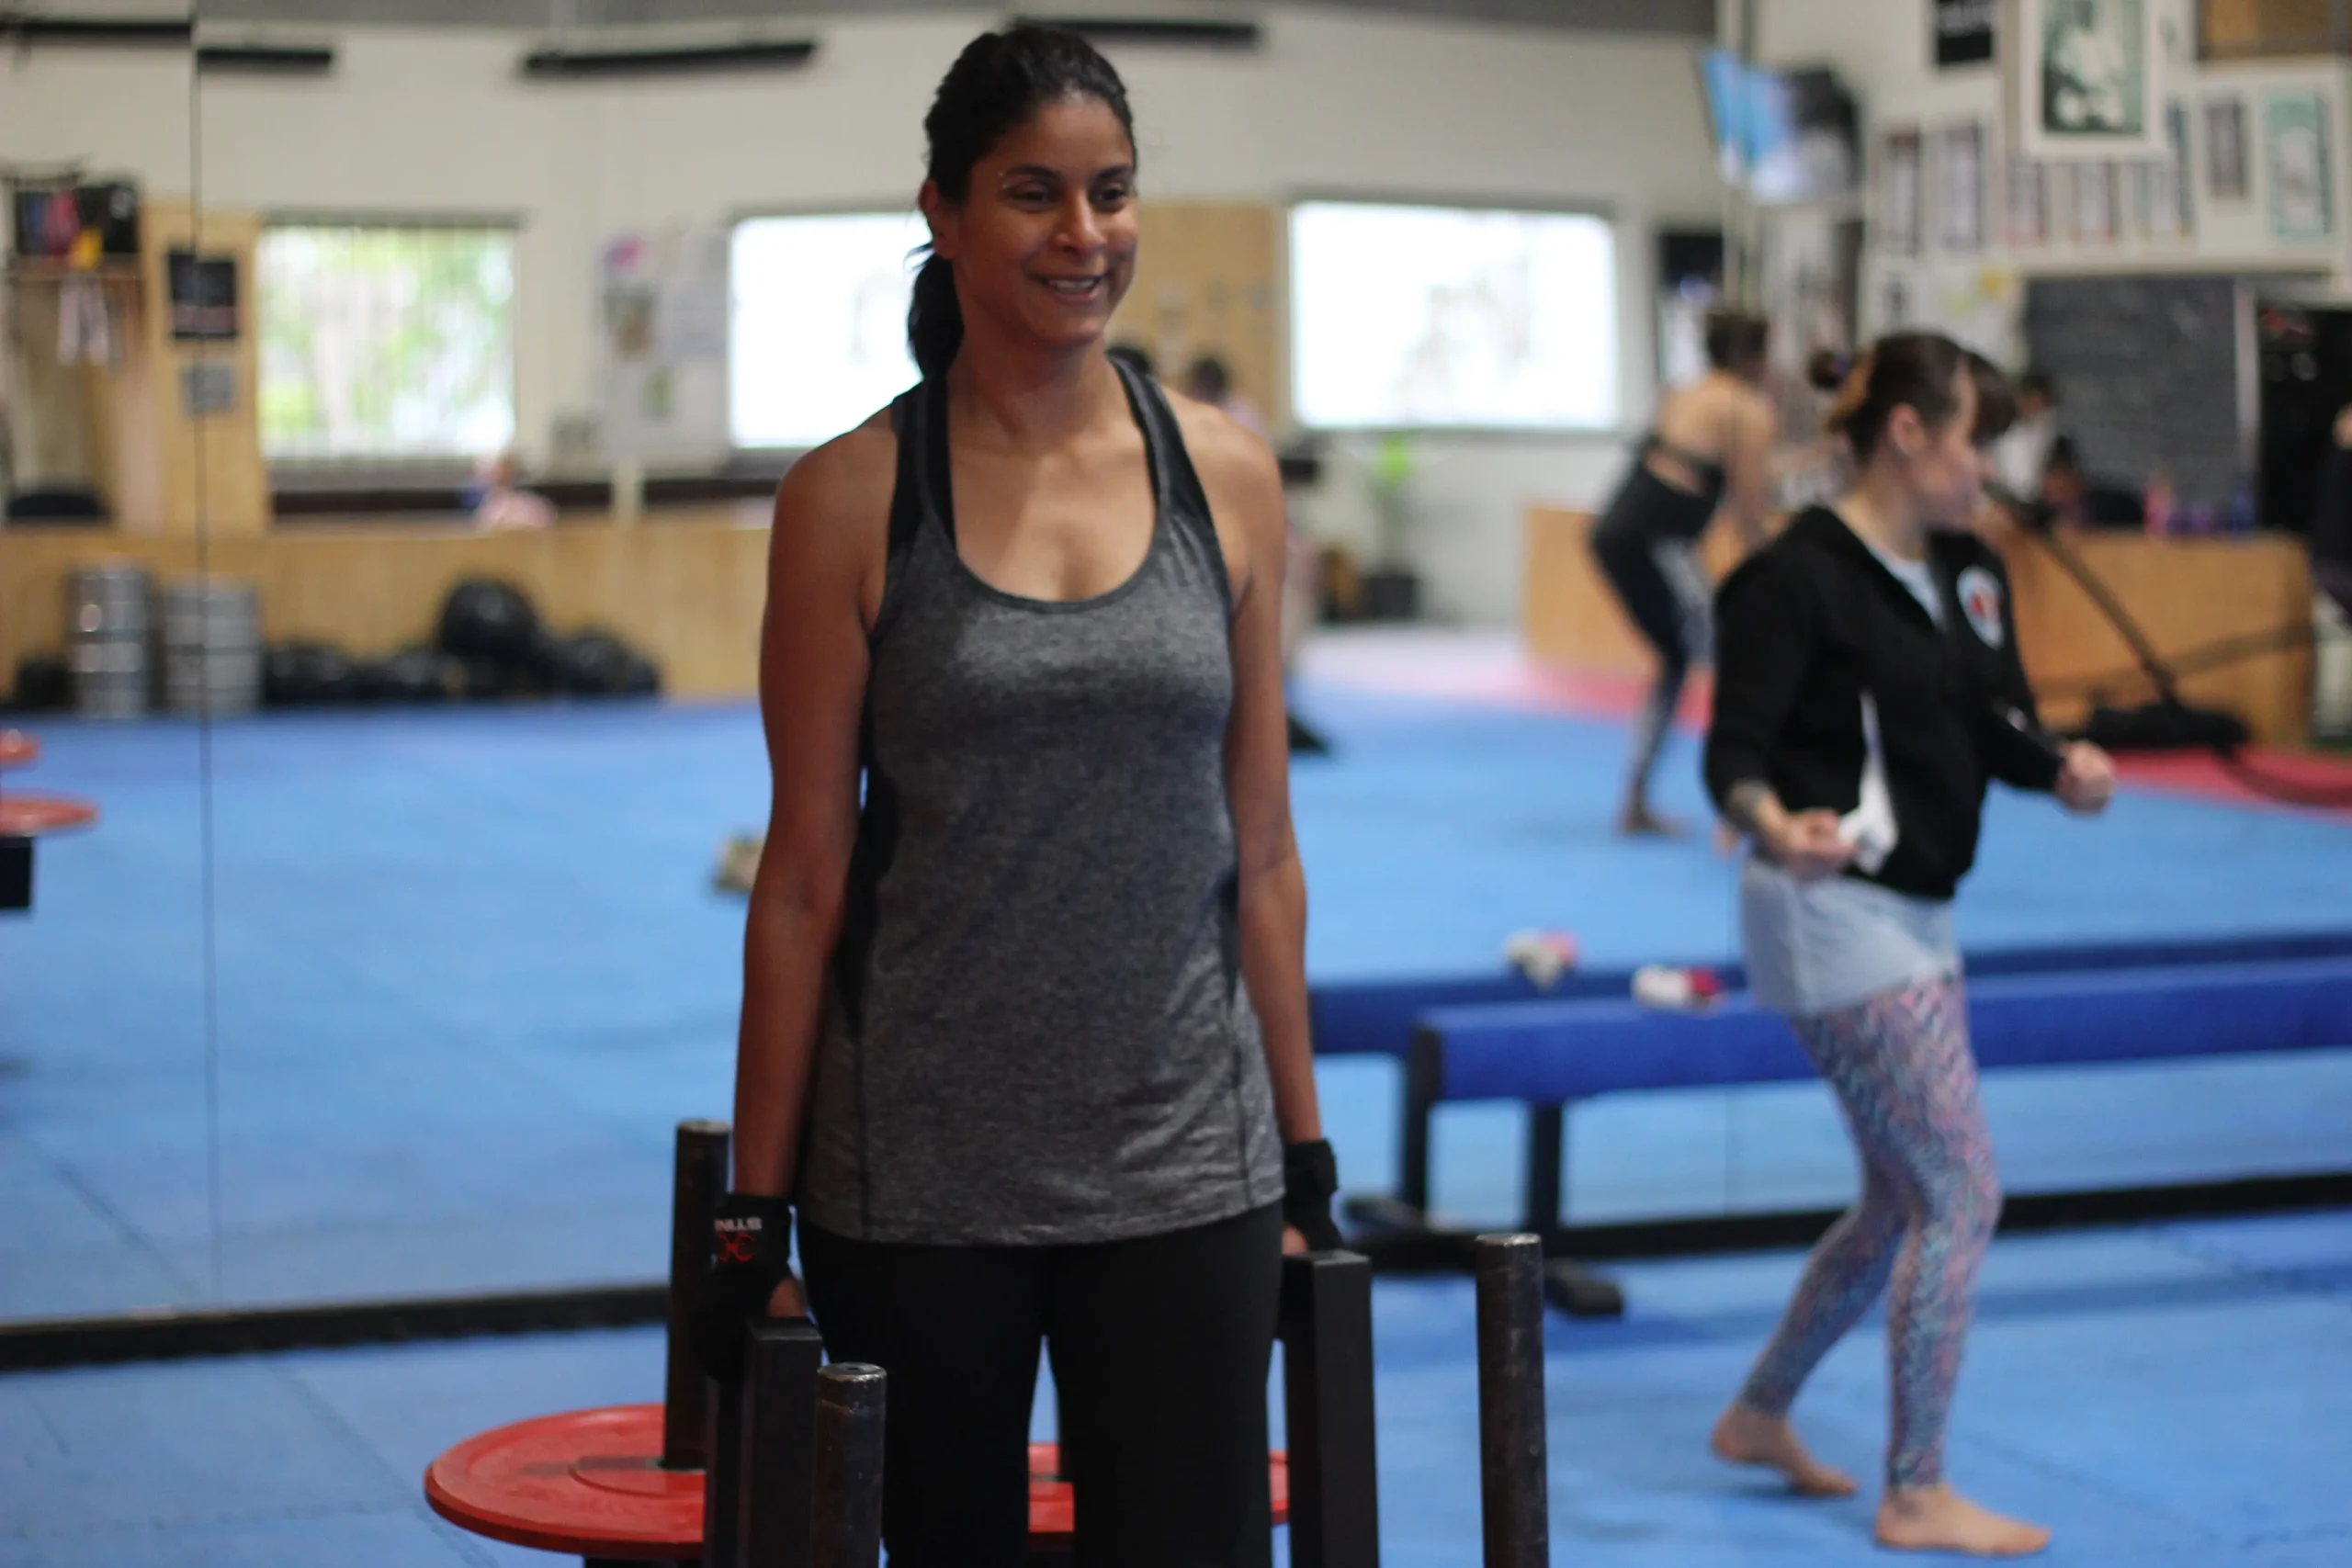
{"type": "Point", "coordinates": [1160, 1351]}
{"type": "Point", "coordinates": [1665, 592]}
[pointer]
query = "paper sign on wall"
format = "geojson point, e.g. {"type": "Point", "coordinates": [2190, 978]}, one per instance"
{"type": "Point", "coordinates": [1965, 31]}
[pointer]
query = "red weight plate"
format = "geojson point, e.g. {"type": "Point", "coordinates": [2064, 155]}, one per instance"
{"type": "Point", "coordinates": [588, 1483]}
{"type": "Point", "coordinates": [17, 749]}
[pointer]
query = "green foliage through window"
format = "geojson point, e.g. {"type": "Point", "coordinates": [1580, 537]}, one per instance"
{"type": "Point", "coordinates": [386, 343]}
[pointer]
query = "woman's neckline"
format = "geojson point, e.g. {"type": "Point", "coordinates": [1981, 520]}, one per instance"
{"type": "Point", "coordinates": [939, 464]}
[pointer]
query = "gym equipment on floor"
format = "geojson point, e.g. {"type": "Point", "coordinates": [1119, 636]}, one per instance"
{"type": "Point", "coordinates": [25, 818]}
{"type": "Point", "coordinates": [662, 1482]}
{"type": "Point", "coordinates": [1514, 1473]}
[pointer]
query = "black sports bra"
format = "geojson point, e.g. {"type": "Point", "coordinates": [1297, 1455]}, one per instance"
{"type": "Point", "coordinates": [1710, 471]}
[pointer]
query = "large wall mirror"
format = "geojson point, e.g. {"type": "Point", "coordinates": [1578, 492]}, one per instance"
{"type": "Point", "coordinates": [454, 357]}
{"type": "Point", "coordinates": [108, 1089]}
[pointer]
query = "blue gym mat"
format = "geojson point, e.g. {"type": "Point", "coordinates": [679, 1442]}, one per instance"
{"type": "Point", "coordinates": [2165, 1397]}
{"type": "Point", "coordinates": [469, 971]}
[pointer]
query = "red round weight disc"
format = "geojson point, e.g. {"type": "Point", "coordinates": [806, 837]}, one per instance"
{"type": "Point", "coordinates": [1053, 1518]}
{"type": "Point", "coordinates": [17, 749]}
{"type": "Point", "coordinates": [28, 815]}
{"type": "Point", "coordinates": [588, 1483]}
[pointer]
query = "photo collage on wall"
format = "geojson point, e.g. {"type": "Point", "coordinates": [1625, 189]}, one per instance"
{"type": "Point", "coordinates": [2100, 148]}
{"type": "Point", "coordinates": [1955, 190]}
{"type": "Point", "coordinates": [2109, 140]}
{"type": "Point", "coordinates": [2227, 152]}
{"type": "Point", "coordinates": [2295, 157]}
{"type": "Point", "coordinates": [2097, 151]}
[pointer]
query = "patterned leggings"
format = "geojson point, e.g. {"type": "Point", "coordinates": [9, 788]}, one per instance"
{"type": "Point", "coordinates": [1901, 1068]}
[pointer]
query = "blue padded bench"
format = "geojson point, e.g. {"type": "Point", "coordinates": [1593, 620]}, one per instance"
{"type": "Point", "coordinates": [1377, 1016]}
{"type": "Point", "coordinates": [1550, 1055]}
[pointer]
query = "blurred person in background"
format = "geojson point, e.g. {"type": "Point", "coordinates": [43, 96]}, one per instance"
{"type": "Point", "coordinates": [1710, 451]}
{"type": "Point", "coordinates": [502, 505]}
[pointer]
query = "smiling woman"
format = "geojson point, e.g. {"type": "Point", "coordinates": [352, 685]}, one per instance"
{"type": "Point", "coordinates": [1024, 1043]}
{"type": "Point", "coordinates": [1065, 109]}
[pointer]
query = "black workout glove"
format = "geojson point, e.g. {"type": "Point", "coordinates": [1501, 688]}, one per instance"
{"type": "Point", "coordinates": [1311, 1179]}
{"type": "Point", "coordinates": [751, 1256]}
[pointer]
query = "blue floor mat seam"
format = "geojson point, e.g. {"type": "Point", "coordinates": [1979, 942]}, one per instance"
{"type": "Point", "coordinates": [120, 1525]}
{"type": "Point", "coordinates": [468, 1549]}
{"type": "Point", "coordinates": [291, 1373]}
{"type": "Point", "coordinates": [2092, 1481]}
{"type": "Point", "coordinates": [2302, 1537]}
{"type": "Point", "coordinates": [334, 1420]}
{"type": "Point", "coordinates": [128, 1234]}
{"type": "Point", "coordinates": [2293, 1281]}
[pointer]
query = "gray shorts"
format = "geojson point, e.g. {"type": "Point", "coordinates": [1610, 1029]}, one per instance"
{"type": "Point", "coordinates": [1815, 947]}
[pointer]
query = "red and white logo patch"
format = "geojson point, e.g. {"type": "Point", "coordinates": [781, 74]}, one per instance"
{"type": "Point", "coordinates": [1979, 592]}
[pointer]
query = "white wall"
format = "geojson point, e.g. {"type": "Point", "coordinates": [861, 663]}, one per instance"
{"type": "Point", "coordinates": [436, 121]}
{"type": "Point", "coordinates": [115, 111]}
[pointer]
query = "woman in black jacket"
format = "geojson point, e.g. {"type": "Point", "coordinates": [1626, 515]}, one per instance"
{"type": "Point", "coordinates": [1868, 689]}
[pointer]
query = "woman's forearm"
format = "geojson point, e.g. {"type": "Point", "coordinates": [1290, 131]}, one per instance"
{"type": "Point", "coordinates": [1274, 965]}
{"type": "Point", "coordinates": [1754, 809]}
{"type": "Point", "coordinates": [786, 944]}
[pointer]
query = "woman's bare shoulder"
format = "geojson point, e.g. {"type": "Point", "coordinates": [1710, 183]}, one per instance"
{"type": "Point", "coordinates": [1232, 460]}
{"type": "Point", "coordinates": [843, 479]}
{"type": "Point", "coordinates": [832, 516]}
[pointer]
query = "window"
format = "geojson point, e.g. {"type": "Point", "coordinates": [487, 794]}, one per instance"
{"type": "Point", "coordinates": [817, 337]}
{"type": "Point", "coordinates": [1438, 316]}
{"type": "Point", "coordinates": [386, 343]}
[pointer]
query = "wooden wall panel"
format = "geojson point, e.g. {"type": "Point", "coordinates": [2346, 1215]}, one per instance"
{"type": "Point", "coordinates": [2186, 593]}
{"type": "Point", "coordinates": [1568, 615]}
{"type": "Point", "coordinates": [2243, 28]}
{"type": "Point", "coordinates": [212, 473]}
{"type": "Point", "coordinates": [1208, 280]}
{"type": "Point", "coordinates": [688, 587]}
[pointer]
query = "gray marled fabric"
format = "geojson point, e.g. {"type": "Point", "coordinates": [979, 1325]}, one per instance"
{"type": "Point", "coordinates": [1038, 1032]}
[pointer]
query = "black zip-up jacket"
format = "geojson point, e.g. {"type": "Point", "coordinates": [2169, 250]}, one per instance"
{"type": "Point", "coordinates": [1810, 622]}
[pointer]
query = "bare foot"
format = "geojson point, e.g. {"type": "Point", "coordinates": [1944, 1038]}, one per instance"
{"type": "Point", "coordinates": [1937, 1518]}
{"type": "Point", "coordinates": [1641, 822]}
{"type": "Point", "coordinates": [1750, 1436]}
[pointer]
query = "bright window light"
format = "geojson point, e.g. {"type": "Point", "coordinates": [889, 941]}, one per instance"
{"type": "Point", "coordinates": [1464, 318]}
{"type": "Point", "coordinates": [817, 337]}
{"type": "Point", "coordinates": [386, 343]}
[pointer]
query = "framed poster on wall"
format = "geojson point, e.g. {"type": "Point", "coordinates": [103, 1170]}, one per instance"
{"type": "Point", "coordinates": [1894, 303]}
{"type": "Point", "coordinates": [2095, 204]}
{"type": "Point", "coordinates": [203, 291]}
{"type": "Point", "coordinates": [2179, 182]}
{"type": "Point", "coordinates": [2027, 189]}
{"type": "Point", "coordinates": [1959, 166]}
{"type": "Point", "coordinates": [2294, 134]}
{"type": "Point", "coordinates": [1965, 31]}
{"type": "Point", "coordinates": [2085, 77]}
{"type": "Point", "coordinates": [1899, 192]}
{"type": "Point", "coordinates": [2226, 166]}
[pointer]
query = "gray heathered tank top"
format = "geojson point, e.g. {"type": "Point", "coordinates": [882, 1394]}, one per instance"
{"type": "Point", "coordinates": [1037, 1030]}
